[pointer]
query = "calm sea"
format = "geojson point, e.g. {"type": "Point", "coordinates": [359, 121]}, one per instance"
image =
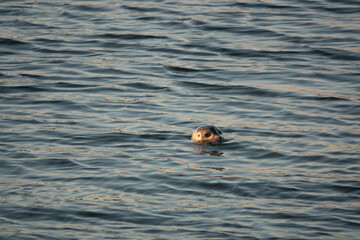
{"type": "Point", "coordinates": [98, 100]}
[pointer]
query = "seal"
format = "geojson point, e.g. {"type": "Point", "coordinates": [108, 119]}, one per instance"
{"type": "Point", "coordinates": [207, 135]}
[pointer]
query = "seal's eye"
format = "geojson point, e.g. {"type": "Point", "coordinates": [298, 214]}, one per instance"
{"type": "Point", "coordinates": [199, 135]}
{"type": "Point", "coordinates": [219, 131]}
{"type": "Point", "coordinates": [207, 135]}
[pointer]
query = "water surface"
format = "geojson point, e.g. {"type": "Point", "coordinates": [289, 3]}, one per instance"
{"type": "Point", "coordinates": [98, 100]}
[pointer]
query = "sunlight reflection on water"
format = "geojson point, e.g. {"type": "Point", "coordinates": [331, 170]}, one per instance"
{"type": "Point", "coordinates": [98, 101]}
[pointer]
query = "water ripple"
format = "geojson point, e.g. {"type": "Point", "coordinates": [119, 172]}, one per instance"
{"type": "Point", "coordinates": [98, 101]}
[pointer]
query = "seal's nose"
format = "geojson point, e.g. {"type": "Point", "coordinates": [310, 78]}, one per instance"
{"type": "Point", "coordinates": [221, 139]}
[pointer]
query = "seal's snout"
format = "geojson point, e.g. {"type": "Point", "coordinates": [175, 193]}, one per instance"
{"type": "Point", "coordinates": [221, 139]}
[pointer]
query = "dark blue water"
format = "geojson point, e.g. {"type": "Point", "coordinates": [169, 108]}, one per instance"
{"type": "Point", "coordinates": [98, 100]}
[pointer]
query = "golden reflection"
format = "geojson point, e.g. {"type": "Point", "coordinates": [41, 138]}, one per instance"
{"type": "Point", "coordinates": [203, 150]}
{"type": "Point", "coordinates": [312, 92]}
{"type": "Point", "coordinates": [280, 175]}
{"type": "Point", "coordinates": [350, 23]}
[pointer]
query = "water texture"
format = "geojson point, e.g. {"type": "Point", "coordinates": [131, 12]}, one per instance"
{"type": "Point", "coordinates": [98, 100]}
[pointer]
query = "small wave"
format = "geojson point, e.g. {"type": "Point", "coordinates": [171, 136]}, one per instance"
{"type": "Point", "coordinates": [88, 8]}
{"type": "Point", "coordinates": [231, 89]}
{"type": "Point", "coordinates": [129, 36]}
{"type": "Point", "coordinates": [182, 69]}
{"type": "Point", "coordinates": [52, 164]}
{"type": "Point", "coordinates": [9, 41]}
{"type": "Point", "coordinates": [16, 89]}
{"type": "Point", "coordinates": [337, 54]}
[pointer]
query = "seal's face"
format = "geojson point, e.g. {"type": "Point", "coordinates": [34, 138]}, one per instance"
{"type": "Point", "coordinates": [208, 135]}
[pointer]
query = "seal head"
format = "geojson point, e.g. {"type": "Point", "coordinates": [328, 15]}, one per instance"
{"type": "Point", "coordinates": [207, 135]}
